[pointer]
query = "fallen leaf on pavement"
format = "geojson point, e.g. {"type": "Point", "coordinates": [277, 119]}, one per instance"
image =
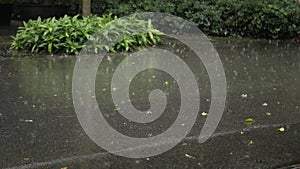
{"type": "Point", "coordinates": [189, 156]}
{"type": "Point", "coordinates": [281, 129]}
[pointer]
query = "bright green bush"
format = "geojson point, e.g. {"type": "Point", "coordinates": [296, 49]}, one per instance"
{"type": "Point", "coordinates": [69, 34]}
{"type": "Point", "coordinates": [251, 18]}
{"type": "Point", "coordinates": [124, 34]}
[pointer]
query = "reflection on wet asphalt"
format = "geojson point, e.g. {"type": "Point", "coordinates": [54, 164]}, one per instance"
{"type": "Point", "coordinates": [39, 127]}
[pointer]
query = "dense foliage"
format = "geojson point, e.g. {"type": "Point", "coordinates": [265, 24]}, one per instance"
{"type": "Point", "coordinates": [57, 2]}
{"type": "Point", "coordinates": [69, 34]}
{"type": "Point", "coordinates": [252, 18]}
{"type": "Point", "coordinates": [277, 19]}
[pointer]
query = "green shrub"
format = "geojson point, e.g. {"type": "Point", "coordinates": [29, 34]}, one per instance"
{"type": "Point", "coordinates": [251, 18]}
{"type": "Point", "coordinates": [126, 7]}
{"type": "Point", "coordinates": [127, 33]}
{"type": "Point", "coordinates": [56, 2]}
{"type": "Point", "coordinates": [69, 34]}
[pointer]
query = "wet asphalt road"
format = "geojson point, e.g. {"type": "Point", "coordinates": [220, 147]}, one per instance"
{"type": "Point", "coordinates": [39, 127]}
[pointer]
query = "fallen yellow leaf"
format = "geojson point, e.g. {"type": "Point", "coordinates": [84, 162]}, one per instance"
{"type": "Point", "coordinates": [204, 114]}
{"type": "Point", "coordinates": [109, 58]}
{"type": "Point", "coordinates": [117, 109]}
{"type": "Point", "coordinates": [281, 129]}
{"type": "Point", "coordinates": [28, 121]}
{"type": "Point", "coordinates": [189, 156]}
{"type": "Point", "coordinates": [26, 159]}
{"type": "Point", "coordinates": [249, 120]}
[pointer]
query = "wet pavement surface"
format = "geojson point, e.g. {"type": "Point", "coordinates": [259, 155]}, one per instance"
{"type": "Point", "coordinates": [39, 127]}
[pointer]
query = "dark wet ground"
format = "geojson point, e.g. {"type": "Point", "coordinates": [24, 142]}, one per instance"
{"type": "Point", "coordinates": [39, 127]}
